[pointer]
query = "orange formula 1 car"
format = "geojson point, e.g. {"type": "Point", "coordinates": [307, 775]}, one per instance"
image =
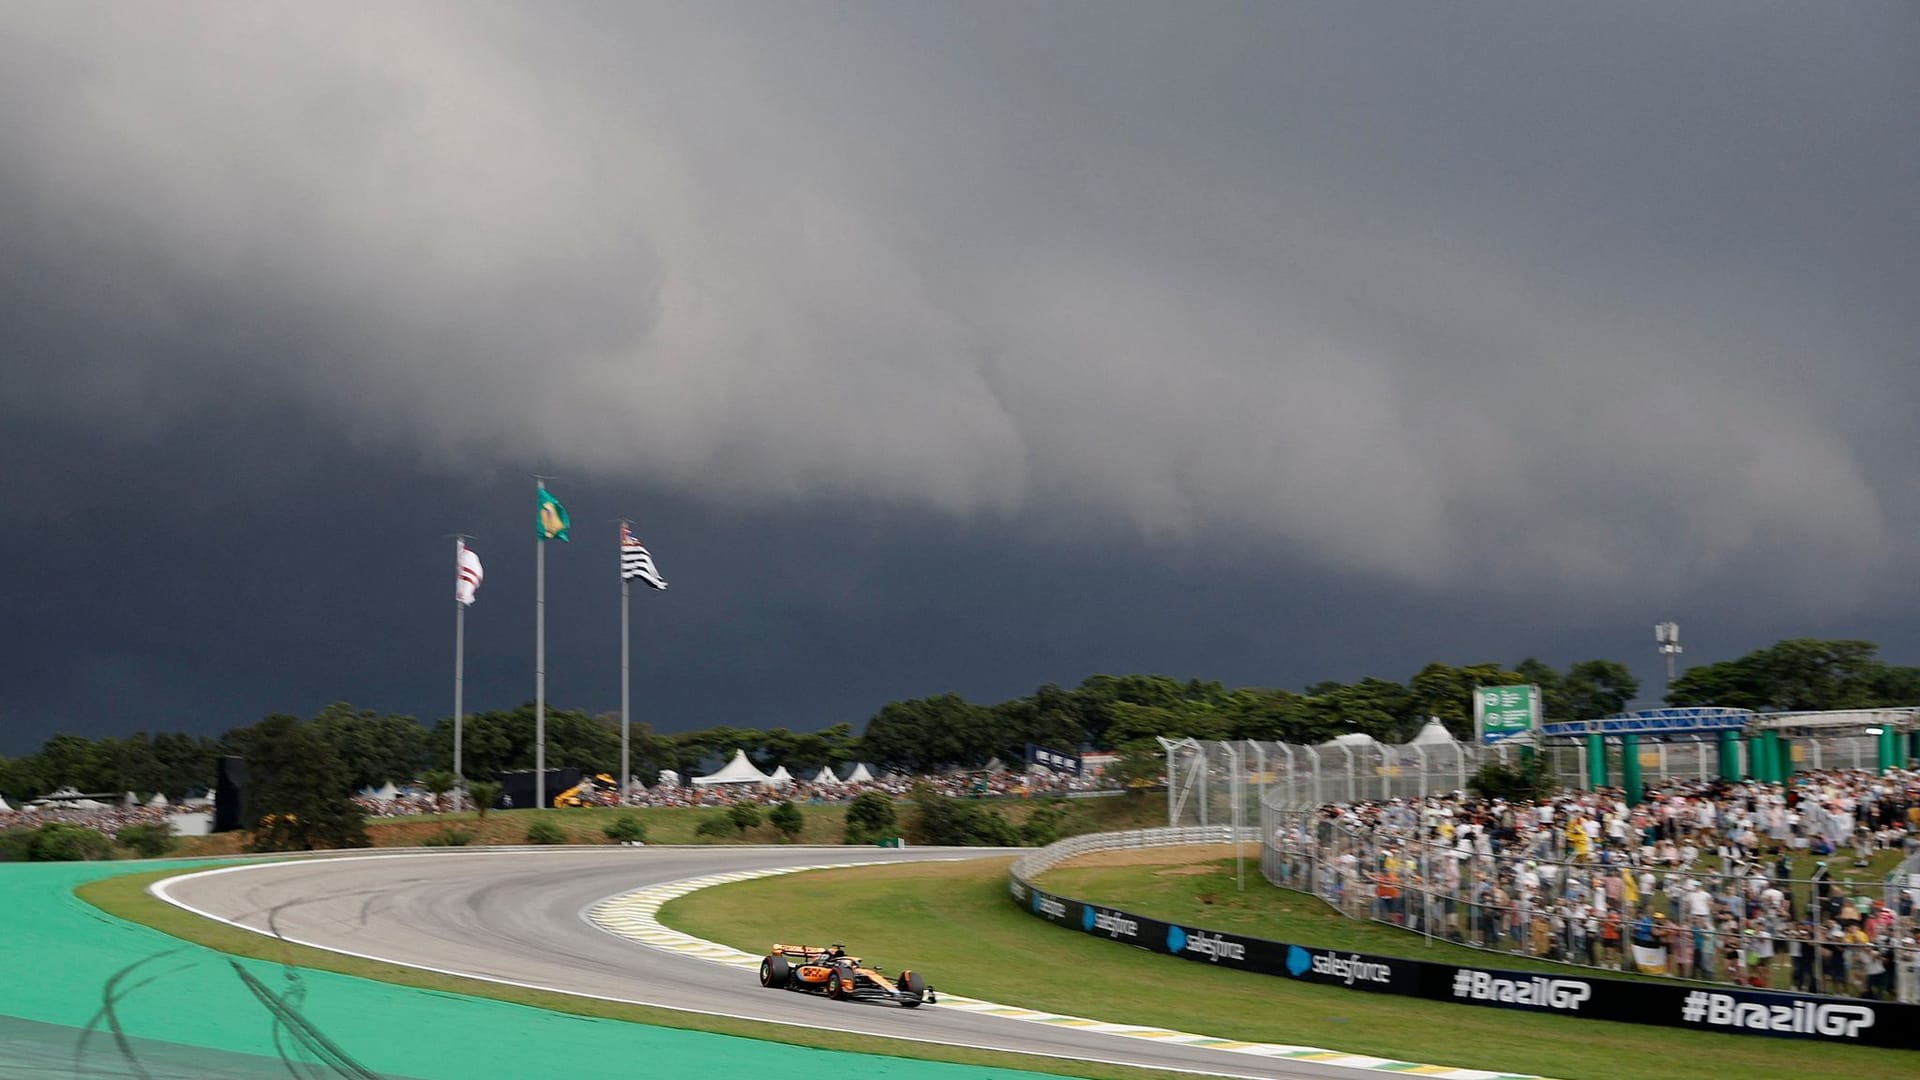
{"type": "Point", "coordinates": [829, 970]}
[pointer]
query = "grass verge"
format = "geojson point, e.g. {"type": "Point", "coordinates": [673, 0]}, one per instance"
{"type": "Point", "coordinates": [955, 922]}
{"type": "Point", "coordinates": [126, 897]}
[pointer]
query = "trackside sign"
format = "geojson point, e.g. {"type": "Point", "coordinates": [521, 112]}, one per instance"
{"type": "Point", "coordinates": [1731, 1010]}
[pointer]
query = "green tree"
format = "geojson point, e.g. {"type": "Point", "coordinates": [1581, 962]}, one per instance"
{"type": "Point", "coordinates": [870, 818]}
{"type": "Point", "coordinates": [438, 782]}
{"type": "Point", "coordinates": [1597, 688]}
{"type": "Point", "coordinates": [374, 748]}
{"type": "Point", "coordinates": [301, 797]}
{"type": "Point", "coordinates": [928, 734]}
{"type": "Point", "coordinates": [1139, 767]}
{"type": "Point", "coordinates": [787, 818]}
{"type": "Point", "coordinates": [484, 794]}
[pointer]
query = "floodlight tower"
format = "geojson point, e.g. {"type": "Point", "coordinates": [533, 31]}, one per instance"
{"type": "Point", "coordinates": [1666, 636]}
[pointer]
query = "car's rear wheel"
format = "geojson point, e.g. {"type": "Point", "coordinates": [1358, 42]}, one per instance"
{"type": "Point", "coordinates": [774, 972]}
{"type": "Point", "coordinates": [837, 988]}
{"type": "Point", "coordinates": [915, 987]}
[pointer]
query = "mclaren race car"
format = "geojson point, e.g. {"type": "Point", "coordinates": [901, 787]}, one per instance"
{"type": "Point", "coordinates": [829, 970]}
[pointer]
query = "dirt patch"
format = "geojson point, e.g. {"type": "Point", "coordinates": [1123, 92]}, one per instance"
{"type": "Point", "coordinates": [1183, 857]}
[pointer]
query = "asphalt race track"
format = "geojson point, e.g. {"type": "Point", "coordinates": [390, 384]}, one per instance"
{"type": "Point", "coordinates": [517, 917]}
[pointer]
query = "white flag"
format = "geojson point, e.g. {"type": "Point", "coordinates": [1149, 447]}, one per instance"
{"type": "Point", "coordinates": [467, 574]}
{"type": "Point", "coordinates": [637, 562]}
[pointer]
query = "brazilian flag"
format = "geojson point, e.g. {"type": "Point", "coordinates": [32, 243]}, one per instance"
{"type": "Point", "coordinates": [550, 520]}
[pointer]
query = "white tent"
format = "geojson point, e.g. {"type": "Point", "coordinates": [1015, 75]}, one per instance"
{"type": "Point", "coordinates": [634, 783]}
{"type": "Point", "coordinates": [158, 802]}
{"type": "Point", "coordinates": [995, 766]}
{"type": "Point", "coordinates": [1351, 738]}
{"type": "Point", "coordinates": [737, 771]}
{"type": "Point", "coordinates": [87, 804]}
{"type": "Point", "coordinates": [387, 793]}
{"type": "Point", "coordinates": [826, 778]}
{"type": "Point", "coordinates": [4, 808]}
{"type": "Point", "coordinates": [860, 775]}
{"type": "Point", "coordinates": [781, 777]}
{"type": "Point", "coordinates": [130, 799]}
{"type": "Point", "coordinates": [667, 778]}
{"type": "Point", "coordinates": [1434, 734]}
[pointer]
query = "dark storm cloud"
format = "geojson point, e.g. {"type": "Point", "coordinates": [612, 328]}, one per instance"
{"type": "Point", "coordinates": [1365, 314]}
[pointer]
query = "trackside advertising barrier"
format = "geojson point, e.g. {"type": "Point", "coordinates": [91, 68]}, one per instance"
{"type": "Point", "coordinates": [1705, 1008]}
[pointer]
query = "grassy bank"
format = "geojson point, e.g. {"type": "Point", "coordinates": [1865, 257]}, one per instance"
{"type": "Point", "coordinates": [955, 922]}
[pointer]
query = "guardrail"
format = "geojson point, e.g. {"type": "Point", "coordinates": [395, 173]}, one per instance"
{"type": "Point", "coordinates": [1046, 858]}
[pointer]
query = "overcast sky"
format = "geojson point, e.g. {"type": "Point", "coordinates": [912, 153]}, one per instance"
{"type": "Point", "coordinates": [941, 346]}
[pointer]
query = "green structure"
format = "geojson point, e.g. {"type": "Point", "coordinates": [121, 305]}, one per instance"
{"type": "Point", "coordinates": [1630, 768]}
{"type": "Point", "coordinates": [1596, 761]}
{"type": "Point", "coordinates": [1730, 756]}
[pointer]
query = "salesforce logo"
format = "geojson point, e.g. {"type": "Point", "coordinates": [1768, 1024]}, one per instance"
{"type": "Point", "coordinates": [1111, 923]}
{"type": "Point", "coordinates": [1298, 962]}
{"type": "Point", "coordinates": [1212, 946]}
{"type": "Point", "coordinates": [1048, 906]}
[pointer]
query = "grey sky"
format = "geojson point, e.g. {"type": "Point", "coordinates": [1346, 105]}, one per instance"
{"type": "Point", "coordinates": [1604, 312]}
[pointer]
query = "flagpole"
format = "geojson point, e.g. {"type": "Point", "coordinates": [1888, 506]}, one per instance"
{"type": "Point", "coordinates": [540, 666]}
{"type": "Point", "coordinates": [626, 769]}
{"type": "Point", "coordinates": [459, 659]}
{"type": "Point", "coordinates": [459, 670]}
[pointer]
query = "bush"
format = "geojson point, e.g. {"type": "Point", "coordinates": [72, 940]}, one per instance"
{"type": "Point", "coordinates": [948, 822]}
{"type": "Point", "coordinates": [543, 831]}
{"type": "Point", "coordinates": [451, 837]}
{"type": "Point", "coordinates": [58, 841]}
{"type": "Point", "coordinates": [716, 827]}
{"type": "Point", "coordinates": [626, 829]}
{"type": "Point", "coordinates": [16, 845]}
{"type": "Point", "coordinates": [1050, 822]}
{"type": "Point", "coordinates": [787, 818]}
{"type": "Point", "coordinates": [148, 841]}
{"type": "Point", "coordinates": [744, 816]}
{"type": "Point", "coordinates": [870, 819]}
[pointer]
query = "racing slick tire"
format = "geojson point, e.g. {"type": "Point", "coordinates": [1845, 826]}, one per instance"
{"type": "Point", "coordinates": [914, 987]}
{"type": "Point", "coordinates": [837, 988]}
{"type": "Point", "coordinates": [775, 973]}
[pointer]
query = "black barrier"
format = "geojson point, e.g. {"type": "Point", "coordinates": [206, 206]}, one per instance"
{"type": "Point", "coordinates": [1700, 1007]}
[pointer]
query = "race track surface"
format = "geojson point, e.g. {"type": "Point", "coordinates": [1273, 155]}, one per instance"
{"type": "Point", "coordinates": [517, 917]}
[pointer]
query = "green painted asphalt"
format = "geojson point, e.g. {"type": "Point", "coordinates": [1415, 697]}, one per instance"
{"type": "Point", "coordinates": [61, 958]}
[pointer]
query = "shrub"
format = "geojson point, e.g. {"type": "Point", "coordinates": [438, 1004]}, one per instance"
{"type": "Point", "coordinates": [1048, 823]}
{"type": "Point", "coordinates": [716, 827]}
{"type": "Point", "coordinates": [148, 841]}
{"type": "Point", "coordinates": [744, 816]}
{"type": "Point", "coordinates": [1525, 780]}
{"type": "Point", "coordinates": [58, 841]}
{"type": "Point", "coordinates": [787, 818]}
{"type": "Point", "coordinates": [451, 837]}
{"type": "Point", "coordinates": [870, 818]}
{"type": "Point", "coordinates": [16, 845]}
{"type": "Point", "coordinates": [543, 831]}
{"type": "Point", "coordinates": [626, 829]}
{"type": "Point", "coordinates": [948, 822]}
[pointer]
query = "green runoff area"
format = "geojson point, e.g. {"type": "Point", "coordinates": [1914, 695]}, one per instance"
{"type": "Point", "coordinates": [72, 928]}
{"type": "Point", "coordinates": [956, 923]}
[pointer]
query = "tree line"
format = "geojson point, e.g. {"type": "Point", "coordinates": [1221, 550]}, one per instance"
{"type": "Point", "coordinates": [947, 731]}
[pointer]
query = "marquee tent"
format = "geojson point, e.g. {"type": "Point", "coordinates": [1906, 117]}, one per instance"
{"type": "Point", "coordinates": [826, 778]}
{"type": "Point", "coordinates": [860, 775]}
{"type": "Point", "coordinates": [781, 777]}
{"type": "Point", "coordinates": [737, 771]}
{"type": "Point", "coordinates": [1434, 734]}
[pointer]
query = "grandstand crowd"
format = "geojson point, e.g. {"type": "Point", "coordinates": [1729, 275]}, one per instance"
{"type": "Point", "coordinates": [1759, 884]}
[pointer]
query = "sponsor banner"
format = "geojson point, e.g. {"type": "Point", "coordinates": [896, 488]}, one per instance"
{"type": "Point", "coordinates": [1697, 1007]}
{"type": "Point", "coordinates": [1053, 759]}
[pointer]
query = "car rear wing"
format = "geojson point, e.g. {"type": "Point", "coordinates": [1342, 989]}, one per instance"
{"type": "Point", "coordinates": [804, 953]}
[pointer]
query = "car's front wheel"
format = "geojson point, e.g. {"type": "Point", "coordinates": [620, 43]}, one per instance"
{"type": "Point", "coordinates": [837, 988]}
{"type": "Point", "coordinates": [914, 987]}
